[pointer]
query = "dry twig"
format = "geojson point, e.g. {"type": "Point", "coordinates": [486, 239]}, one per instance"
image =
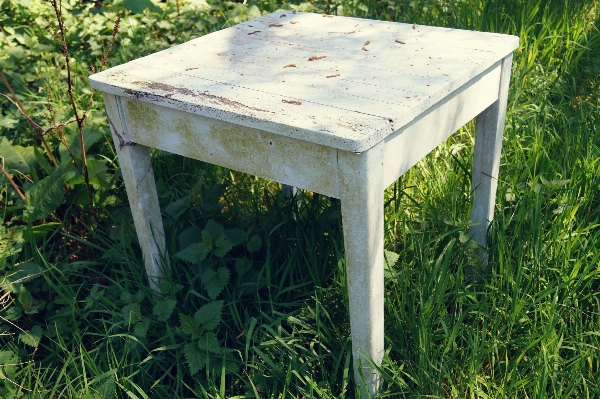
{"type": "Point", "coordinates": [12, 182]}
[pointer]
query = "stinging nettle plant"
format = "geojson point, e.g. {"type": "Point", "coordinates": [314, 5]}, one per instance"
{"type": "Point", "coordinates": [73, 166]}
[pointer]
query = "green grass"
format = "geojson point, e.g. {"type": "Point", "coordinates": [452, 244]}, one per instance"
{"type": "Point", "coordinates": [529, 329]}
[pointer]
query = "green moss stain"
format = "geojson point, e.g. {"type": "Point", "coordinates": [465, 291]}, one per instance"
{"type": "Point", "coordinates": [267, 155]}
{"type": "Point", "coordinates": [236, 147]}
{"type": "Point", "coordinates": [185, 129]}
{"type": "Point", "coordinates": [240, 144]}
{"type": "Point", "coordinates": [144, 120]}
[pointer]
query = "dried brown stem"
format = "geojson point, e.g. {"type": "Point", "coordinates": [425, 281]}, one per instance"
{"type": "Point", "coordinates": [12, 182]}
{"type": "Point", "coordinates": [41, 132]}
{"type": "Point", "coordinates": [59, 125]}
{"type": "Point", "coordinates": [37, 128]}
{"type": "Point", "coordinates": [5, 37]}
{"type": "Point", "coordinates": [80, 120]}
{"type": "Point", "coordinates": [112, 42]}
{"type": "Point", "coordinates": [12, 93]}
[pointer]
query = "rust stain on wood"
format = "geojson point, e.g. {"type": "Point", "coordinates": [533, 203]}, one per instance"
{"type": "Point", "coordinates": [294, 22]}
{"type": "Point", "coordinates": [282, 15]}
{"type": "Point", "coordinates": [367, 43]}
{"type": "Point", "coordinates": [295, 102]}
{"type": "Point", "coordinates": [189, 69]}
{"type": "Point", "coordinates": [316, 57]}
{"type": "Point", "coordinates": [252, 33]}
{"type": "Point", "coordinates": [365, 49]}
{"type": "Point", "coordinates": [290, 66]}
{"type": "Point", "coordinates": [187, 92]}
{"type": "Point", "coordinates": [333, 76]}
{"type": "Point", "coordinates": [275, 25]}
{"type": "Point", "coordinates": [400, 41]}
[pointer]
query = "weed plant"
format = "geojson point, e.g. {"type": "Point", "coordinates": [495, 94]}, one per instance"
{"type": "Point", "coordinates": [256, 306]}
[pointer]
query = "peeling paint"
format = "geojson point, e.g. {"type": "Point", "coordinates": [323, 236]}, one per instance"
{"type": "Point", "coordinates": [217, 100]}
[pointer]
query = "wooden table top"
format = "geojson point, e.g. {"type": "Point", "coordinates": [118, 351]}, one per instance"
{"type": "Point", "coordinates": [342, 82]}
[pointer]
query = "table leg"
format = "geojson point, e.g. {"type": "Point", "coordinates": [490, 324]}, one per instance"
{"type": "Point", "coordinates": [288, 191]}
{"type": "Point", "coordinates": [489, 130]}
{"type": "Point", "coordinates": [136, 166]}
{"type": "Point", "coordinates": [361, 196]}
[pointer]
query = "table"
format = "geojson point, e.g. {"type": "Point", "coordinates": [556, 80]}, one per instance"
{"type": "Point", "coordinates": [335, 105]}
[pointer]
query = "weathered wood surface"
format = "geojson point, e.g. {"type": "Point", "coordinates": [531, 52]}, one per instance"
{"type": "Point", "coordinates": [377, 99]}
{"type": "Point", "coordinates": [136, 167]}
{"type": "Point", "coordinates": [351, 99]}
{"type": "Point", "coordinates": [283, 159]}
{"type": "Point", "coordinates": [489, 129]}
{"type": "Point", "coordinates": [411, 143]}
{"type": "Point", "coordinates": [361, 198]}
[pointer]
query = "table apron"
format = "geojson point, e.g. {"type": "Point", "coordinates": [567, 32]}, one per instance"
{"type": "Point", "coordinates": [297, 162]}
{"type": "Point", "coordinates": [283, 159]}
{"type": "Point", "coordinates": [407, 146]}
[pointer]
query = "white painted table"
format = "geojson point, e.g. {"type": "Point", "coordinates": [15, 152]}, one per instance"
{"type": "Point", "coordinates": [339, 106]}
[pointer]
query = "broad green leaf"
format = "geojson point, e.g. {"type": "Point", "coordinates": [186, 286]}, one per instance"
{"type": "Point", "coordinates": [95, 294]}
{"type": "Point", "coordinates": [209, 342]}
{"type": "Point", "coordinates": [96, 174]}
{"type": "Point", "coordinates": [178, 207]}
{"type": "Point", "coordinates": [554, 184]}
{"type": "Point", "coordinates": [214, 229]}
{"type": "Point", "coordinates": [169, 287]}
{"type": "Point", "coordinates": [31, 337]}
{"type": "Point", "coordinates": [207, 241]}
{"type": "Point", "coordinates": [13, 313]}
{"type": "Point", "coordinates": [27, 271]}
{"type": "Point", "coordinates": [254, 244]}
{"type": "Point", "coordinates": [163, 309]}
{"type": "Point", "coordinates": [242, 266]}
{"type": "Point", "coordinates": [38, 232]}
{"type": "Point", "coordinates": [17, 157]}
{"type": "Point", "coordinates": [189, 236]}
{"type": "Point", "coordinates": [141, 328]}
{"type": "Point", "coordinates": [11, 240]}
{"type": "Point", "coordinates": [209, 315]}
{"type": "Point", "coordinates": [190, 326]}
{"type": "Point", "coordinates": [223, 245]}
{"type": "Point", "coordinates": [210, 198]}
{"type": "Point", "coordinates": [196, 191]}
{"type": "Point", "coordinates": [106, 387]}
{"type": "Point", "coordinates": [8, 358]}
{"type": "Point", "coordinates": [8, 122]}
{"type": "Point", "coordinates": [390, 260]}
{"type": "Point", "coordinates": [195, 358]}
{"type": "Point", "coordinates": [214, 281]}
{"type": "Point", "coordinates": [138, 6]}
{"type": "Point", "coordinates": [47, 194]}
{"type": "Point", "coordinates": [42, 160]}
{"type": "Point", "coordinates": [90, 136]}
{"type": "Point", "coordinates": [236, 236]}
{"type": "Point", "coordinates": [131, 313]}
{"type": "Point", "coordinates": [25, 298]}
{"type": "Point", "coordinates": [20, 274]}
{"type": "Point", "coordinates": [194, 253]}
